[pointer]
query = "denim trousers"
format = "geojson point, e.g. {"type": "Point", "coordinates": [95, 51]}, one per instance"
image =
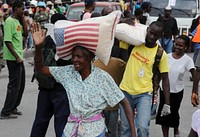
{"type": "Point", "coordinates": [50, 103]}
{"type": "Point", "coordinates": [111, 120]}
{"type": "Point", "coordinates": [196, 52]}
{"type": "Point", "coordinates": [168, 45]}
{"type": "Point", "coordinates": [29, 41]}
{"type": "Point", "coordinates": [142, 103]}
{"type": "Point", "coordinates": [15, 87]}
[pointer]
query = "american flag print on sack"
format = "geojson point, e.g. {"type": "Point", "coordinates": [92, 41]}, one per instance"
{"type": "Point", "coordinates": [87, 34]}
{"type": "Point", "coordinates": [95, 34]}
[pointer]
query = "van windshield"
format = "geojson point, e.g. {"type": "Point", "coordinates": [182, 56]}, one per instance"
{"type": "Point", "coordinates": [183, 8]}
{"type": "Point", "coordinates": [75, 12]}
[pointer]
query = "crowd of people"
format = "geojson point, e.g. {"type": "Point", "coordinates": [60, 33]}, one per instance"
{"type": "Point", "coordinates": [88, 95]}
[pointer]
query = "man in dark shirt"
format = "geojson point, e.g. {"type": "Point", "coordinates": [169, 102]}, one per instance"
{"type": "Point", "coordinates": [52, 101]}
{"type": "Point", "coordinates": [170, 29]}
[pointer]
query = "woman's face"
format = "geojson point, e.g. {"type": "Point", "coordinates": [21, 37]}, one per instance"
{"type": "Point", "coordinates": [179, 46]}
{"type": "Point", "coordinates": [80, 60]}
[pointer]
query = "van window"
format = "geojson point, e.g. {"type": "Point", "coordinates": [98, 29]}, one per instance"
{"type": "Point", "coordinates": [183, 8]}
{"type": "Point", "coordinates": [74, 13]}
{"type": "Point", "coordinates": [98, 9]}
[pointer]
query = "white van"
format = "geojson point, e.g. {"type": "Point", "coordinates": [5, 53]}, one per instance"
{"type": "Point", "coordinates": [184, 11]}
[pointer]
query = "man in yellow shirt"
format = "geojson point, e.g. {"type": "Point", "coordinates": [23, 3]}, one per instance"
{"type": "Point", "coordinates": [137, 81]}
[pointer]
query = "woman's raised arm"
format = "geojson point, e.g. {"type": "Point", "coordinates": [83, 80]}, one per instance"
{"type": "Point", "coordinates": [39, 37]}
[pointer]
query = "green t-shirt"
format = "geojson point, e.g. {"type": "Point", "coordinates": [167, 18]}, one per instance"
{"type": "Point", "coordinates": [13, 33]}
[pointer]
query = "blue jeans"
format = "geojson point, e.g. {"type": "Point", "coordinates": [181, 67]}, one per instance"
{"type": "Point", "coordinates": [111, 120]}
{"type": "Point", "coordinates": [142, 103]}
{"type": "Point", "coordinates": [29, 41]}
{"type": "Point", "coordinates": [168, 45]}
{"type": "Point", "coordinates": [196, 52]}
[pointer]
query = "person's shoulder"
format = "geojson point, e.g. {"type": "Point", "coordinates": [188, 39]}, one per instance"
{"type": "Point", "coordinates": [172, 18]}
{"type": "Point", "coordinates": [117, 60]}
{"type": "Point", "coordinates": [96, 67]}
{"type": "Point", "coordinates": [196, 116]}
{"type": "Point", "coordinates": [99, 72]}
{"type": "Point", "coordinates": [69, 67]}
{"type": "Point", "coordinates": [187, 57]}
{"type": "Point", "coordinates": [9, 20]}
{"type": "Point", "coordinates": [65, 68]}
{"type": "Point", "coordinates": [197, 112]}
{"type": "Point", "coordinates": [86, 15]}
{"type": "Point", "coordinates": [160, 18]}
{"type": "Point", "coordinates": [163, 54]}
{"type": "Point", "coordinates": [169, 55]}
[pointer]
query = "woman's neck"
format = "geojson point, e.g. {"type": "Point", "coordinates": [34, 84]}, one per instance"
{"type": "Point", "coordinates": [177, 55]}
{"type": "Point", "coordinates": [85, 73]}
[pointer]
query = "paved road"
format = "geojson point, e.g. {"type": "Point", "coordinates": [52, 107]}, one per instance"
{"type": "Point", "coordinates": [21, 127]}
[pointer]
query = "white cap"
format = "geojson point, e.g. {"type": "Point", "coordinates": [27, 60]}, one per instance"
{"type": "Point", "coordinates": [49, 3]}
{"type": "Point", "coordinates": [168, 8]}
{"type": "Point", "coordinates": [5, 6]}
{"type": "Point", "coordinates": [34, 2]}
{"type": "Point", "coordinates": [58, 2]}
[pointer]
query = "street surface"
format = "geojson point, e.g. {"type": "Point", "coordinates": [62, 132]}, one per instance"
{"type": "Point", "coordinates": [21, 127]}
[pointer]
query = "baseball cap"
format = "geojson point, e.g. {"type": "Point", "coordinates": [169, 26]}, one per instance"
{"type": "Point", "coordinates": [41, 4]}
{"type": "Point", "coordinates": [89, 2]}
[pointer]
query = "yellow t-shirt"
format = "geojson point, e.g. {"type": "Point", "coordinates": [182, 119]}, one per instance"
{"type": "Point", "coordinates": [122, 5]}
{"type": "Point", "coordinates": [137, 78]}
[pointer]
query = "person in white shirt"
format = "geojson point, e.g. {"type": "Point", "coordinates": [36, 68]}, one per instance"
{"type": "Point", "coordinates": [146, 6]}
{"type": "Point", "coordinates": [179, 63]}
{"type": "Point", "coordinates": [195, 126]}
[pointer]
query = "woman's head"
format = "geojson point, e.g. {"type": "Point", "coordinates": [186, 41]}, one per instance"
{"type": "Point", "coordinates": [81, 58]}
{"type": "Point", "coordinates": [182, 42]}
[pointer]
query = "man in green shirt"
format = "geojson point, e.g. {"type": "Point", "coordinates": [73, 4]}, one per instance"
{"type": "Point", "coordinates": [14, 30]}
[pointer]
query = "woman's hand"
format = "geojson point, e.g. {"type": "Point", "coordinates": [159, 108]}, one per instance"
{"type": "Point", "coordinates": [195, 99]}
{"type": "Point", "coordinates": [38, 34]}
